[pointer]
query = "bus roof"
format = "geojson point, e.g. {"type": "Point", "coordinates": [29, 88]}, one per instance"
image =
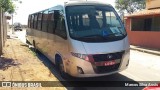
{"type": "Point", "coordinates": [73, 3]}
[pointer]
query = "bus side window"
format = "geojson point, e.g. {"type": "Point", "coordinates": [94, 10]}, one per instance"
{"type": "Point", "coordinates": [35, 21]}
{"type": "Point", "coordinates": [29, 21]}
{"type": "Point", "coordinates": [32, 20]}
{"type": "Point", "coordinates": [45, 21]}
{"type": "Point", "coordinates": [51, 22]}
{"type": "Point", "coordinates": [56, 18]}
{"type": "Point", "coordinates": [61, 28]}
{"type": "Point", "coordinates": [39, 21]}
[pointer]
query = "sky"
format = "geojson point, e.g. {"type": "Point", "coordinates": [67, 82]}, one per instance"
{"type": "Point", "coordinates": [30, 6]}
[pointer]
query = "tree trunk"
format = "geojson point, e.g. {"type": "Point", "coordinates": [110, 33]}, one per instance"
{"type": "Point", "coordinates": [1, 32]}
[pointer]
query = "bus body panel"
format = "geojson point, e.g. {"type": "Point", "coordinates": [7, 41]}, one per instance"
{"type": "Point", "coordinates": [43, 42]}
{"type": "Point", "coordinates": [29, 35]}
{"type": "Point", "coordinates": [87, 67]}
{"type": "Point", "coordinates": [95, 48]}
{"type": "Point", "coordinates": [52, 49]}
{"type": "Point", "coordinates": [109, 47]}
{"type": "Point", "coordinates": [38, 38]}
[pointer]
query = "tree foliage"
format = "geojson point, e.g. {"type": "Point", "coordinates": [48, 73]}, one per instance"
{"type": "Point", "coordinates": [130, 5]}
{"type": "Point", "coordinates": [8, 5]}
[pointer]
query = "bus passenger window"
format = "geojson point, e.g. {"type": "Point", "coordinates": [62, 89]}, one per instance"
{"type": "Point", "coordinates": [35, 21]}
{"type": "Point", "coordinates": [32, 21]}
{"type": "Point", "coordinates": [29, 21]}
{"type": "Point", "coordinates": [61, 28]}
{"type": "Point", "coordinates": [39, 21]}
{"type": "Point", "coordinates": [51, 22]}
{"type": "Point", "coordinates": [45, 21]}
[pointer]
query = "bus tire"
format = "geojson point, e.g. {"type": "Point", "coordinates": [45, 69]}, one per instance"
{"type": "Point", "coordinates": [61, 70]}
{"type": "Point", "coordinates": [60, 67]}
{"type": "Point", "coordinates": [34, 45]}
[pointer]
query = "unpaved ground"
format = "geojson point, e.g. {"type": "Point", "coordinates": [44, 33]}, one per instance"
{"type": "Point", "coordinates": [19, 63]}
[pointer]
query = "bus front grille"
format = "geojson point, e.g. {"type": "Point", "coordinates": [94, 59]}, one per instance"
{"type": "Point", "coordinates": [108, 57]}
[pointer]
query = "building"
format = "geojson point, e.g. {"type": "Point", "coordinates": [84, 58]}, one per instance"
{"type": "Point", "coordinates": [143, 27]}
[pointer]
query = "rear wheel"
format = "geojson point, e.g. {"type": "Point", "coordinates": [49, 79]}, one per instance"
{"type": "Point", "coordinates": [34, 45]}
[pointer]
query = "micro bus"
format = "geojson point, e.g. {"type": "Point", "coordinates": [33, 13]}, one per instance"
{"type": "Point", "coordinates": [82, 39]}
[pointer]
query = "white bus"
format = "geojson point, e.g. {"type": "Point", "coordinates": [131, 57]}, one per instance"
{"type": "Point", "coordinates": [83, 39]}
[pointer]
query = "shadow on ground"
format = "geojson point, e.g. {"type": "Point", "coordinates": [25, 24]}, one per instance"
{"type": "Point", "coordinates": [99, 80]}
{"type": "Point", "coordinates": [5, 63]}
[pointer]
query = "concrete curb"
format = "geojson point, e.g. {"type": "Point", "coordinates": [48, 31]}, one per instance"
{"type": "Point", "coordinates": [154, 52]}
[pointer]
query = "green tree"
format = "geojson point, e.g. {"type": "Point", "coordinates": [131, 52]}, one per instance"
{"type": "Point", "coordinates": [129, 6]}
{"type": "Point", "coordinates": [8, 5]}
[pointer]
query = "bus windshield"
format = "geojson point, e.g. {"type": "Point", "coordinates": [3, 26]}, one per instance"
{"type": "Point", "coordinates": [92, 23]}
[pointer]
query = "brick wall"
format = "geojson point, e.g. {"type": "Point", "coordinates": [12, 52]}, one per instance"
{"type": "Point", "coordinates": [143, 38]}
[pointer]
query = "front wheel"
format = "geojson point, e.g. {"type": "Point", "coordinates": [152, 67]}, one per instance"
{"type": "Point", "coordinates": [61, 70]}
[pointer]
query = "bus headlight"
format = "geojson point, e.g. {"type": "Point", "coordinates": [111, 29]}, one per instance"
{"type": "Point", "coordinates": [83, 56]}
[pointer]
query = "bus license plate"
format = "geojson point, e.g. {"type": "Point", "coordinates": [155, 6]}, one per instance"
{"type": "Point", "coordinates": [109, 63]}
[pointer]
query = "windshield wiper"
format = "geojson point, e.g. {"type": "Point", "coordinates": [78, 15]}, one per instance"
{"type": "Point", "coordinates": [92, 36]}
{"type": "Point", "coordinates": [113, 34]}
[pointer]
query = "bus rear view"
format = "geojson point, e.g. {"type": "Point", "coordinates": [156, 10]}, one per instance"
{"type": "Point", "coordinates": [98, 42]}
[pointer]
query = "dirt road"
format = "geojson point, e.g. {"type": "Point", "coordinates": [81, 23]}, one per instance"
{"type": "Point", "coordinates": [19, 63]}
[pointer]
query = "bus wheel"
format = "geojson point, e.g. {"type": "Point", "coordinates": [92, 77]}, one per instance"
{"type": "Point", "coordinates": [61, 70]}
{"type": "Point", "coordinates": [34, 45]}
{"type": "Point", "coordinates": [60, 67]}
